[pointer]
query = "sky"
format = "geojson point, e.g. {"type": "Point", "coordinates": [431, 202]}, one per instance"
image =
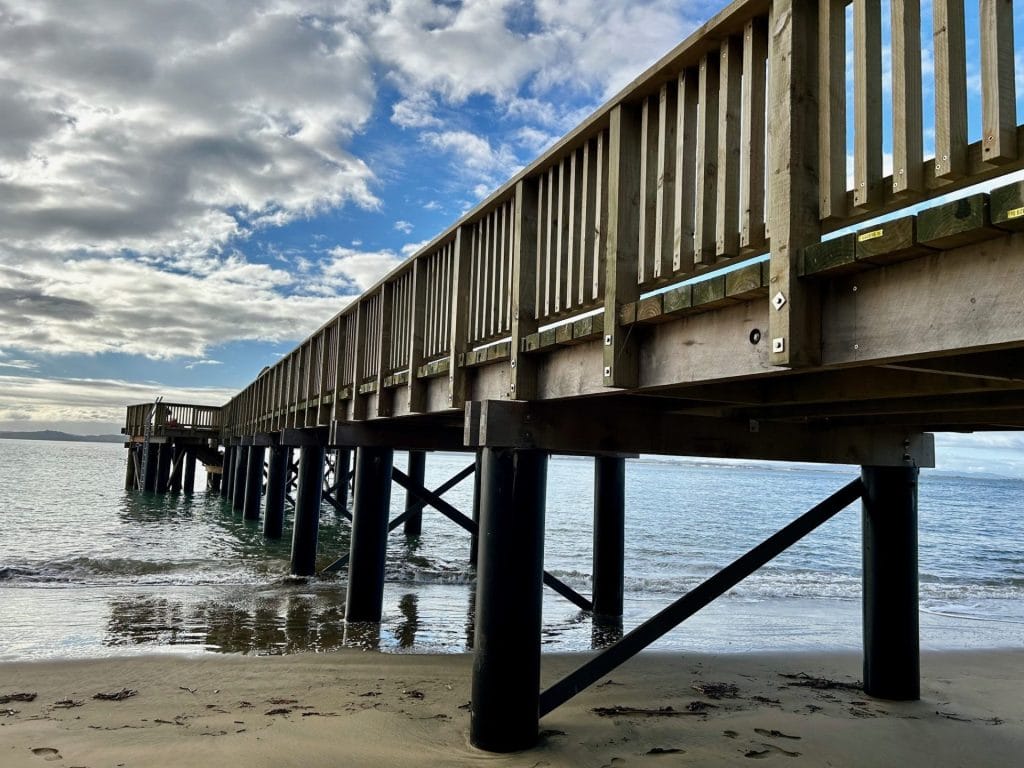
{"type": "Point", "coordinates": [189, 188]}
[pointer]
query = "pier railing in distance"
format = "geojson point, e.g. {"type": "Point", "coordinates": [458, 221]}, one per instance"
{"type": "Point", "coordinates": [730, 153]}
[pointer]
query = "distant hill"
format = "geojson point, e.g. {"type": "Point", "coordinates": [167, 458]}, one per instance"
{"type": "Point", "coordinates": [49, 434]}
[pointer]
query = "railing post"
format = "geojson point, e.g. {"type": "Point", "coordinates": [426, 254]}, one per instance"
{"type": "Point", "coordinates": [621, 364]}
{"type": "Point", "coordinates": [891, 633]}
{"type": "Point", "coordinates": [459, 318]}
{"type": "Point", "coordinates": [522, 371]}
{"type": "Point", "coordinates": [506, 663]}
{"type": "Point", "coordinates": [793, 214]}
{"type": "Point", "coordinates": [227, 470]}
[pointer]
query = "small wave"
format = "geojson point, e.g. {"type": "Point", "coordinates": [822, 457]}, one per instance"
{"type": "Point", "coordinates": [118, 570]}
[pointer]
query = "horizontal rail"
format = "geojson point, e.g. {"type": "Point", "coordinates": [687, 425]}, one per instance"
{"type": "Point", "coordinates": [709, 159]}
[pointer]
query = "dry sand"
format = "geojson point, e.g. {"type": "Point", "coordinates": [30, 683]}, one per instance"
{"type": "Point", "coordinates": [369, 709]}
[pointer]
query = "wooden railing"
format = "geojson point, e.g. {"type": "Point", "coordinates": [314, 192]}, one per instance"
{"type": "Point", "coordinates": [173, 416]}
{"type": "Point", "coordinates": [731, 147]}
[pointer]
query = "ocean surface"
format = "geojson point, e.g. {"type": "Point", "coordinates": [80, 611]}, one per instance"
{"type": "Point", "coordinates": [88, 569]}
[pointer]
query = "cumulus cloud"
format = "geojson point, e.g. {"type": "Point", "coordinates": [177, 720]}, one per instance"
{"type": "Point", "coordinates": [36, 403]}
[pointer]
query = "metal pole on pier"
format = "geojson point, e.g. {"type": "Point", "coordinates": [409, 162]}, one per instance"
{"type": "Point", "coordinates": [371, 501]}
{"type": "Point", "coordinates": [307, 510]}
{"type": "Point", "coordinates": [151, 460]}
{"type": "Point", "coordinates": [609, 537]}
{"type": "Point", "coordinates": [342, 460]}
{"type": "Point", "coordinates": [253, 483]}
{"type": "Point", "coordinates": [474, 541]}
{"type": "Point", "coordinates": [130, 481]}
{"type": "Point", "coordinates": [892, 664]}
{"type": "Point", "coordinates": [277, 482]}
{"type": "Point", "coordinates": [416, 472]}
{"type": "Point", "coordinates": [506, 662]}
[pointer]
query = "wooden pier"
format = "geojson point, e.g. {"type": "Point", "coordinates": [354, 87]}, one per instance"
{"type": "Point", "coordinates": [667, 279]}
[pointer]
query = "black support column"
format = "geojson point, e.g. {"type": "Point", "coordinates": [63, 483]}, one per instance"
{"type": "Point", "coordinates": [163, 466]}
{"type": "Point", "coordinates": [609, 537]}
{"type": "Point", "coordinates": [892, 668]}
{"type": "Point", "coordinates": [177, 456]}
{"type": "Point", "coordinates": [152, 460]}
{"type": "Point", "coordinates": [277, 482]}
{"type": "Point", "coordinates": [416, 473]}
{"type": "Point", "coordinates": [227, 471]}
{"type": "Point", "coordinates": [474, 540]}
{"type": "Point", "coordinates": [253, 483]}
{"type": "Point", "coordinates": [238, 489]}
{"type": "Point", "coordinates": [307, 510]}
{"type": "Point", "coordinates": [506, 662]}
{"type": "Point", "coordinates": [129, 471]}
{"type": "Point", "coordinates": [371, 500]}
{"type": "Point", "coordinates": [190, 470]}
{"type": "Point", "coordinates": [342, 460]}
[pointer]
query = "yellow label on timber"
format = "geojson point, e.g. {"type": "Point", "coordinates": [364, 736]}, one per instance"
{"type": "Point", "coordinates": [1015, 213]}
{"type": "Point", "coordinates": [870, 235]}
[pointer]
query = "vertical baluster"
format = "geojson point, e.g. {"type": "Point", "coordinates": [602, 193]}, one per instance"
{"type": "Point", "coordinates": [707, 162]}
{"type": "Point", "coordinates": [541, 251]}
{"type": "Point", "coordinates": [551, 260]}
{"type": "Point", "coordinates": [727, 236]}
{"type": "Point", "coordinates": [574, 267]}
{"type": "Point", "coordinates": [998, 86]}
{"type": "Point", "coordinates": [665, 206]}
{"type": "Point", "coordinates": [755, 60]}
{"type": "Point", "coordinates": [867, 103]}
{"type": "Point", "coordinates": [647, 234]}
{"type": "Point", "coordinates": [683, 245]}
{"type": "Point", "coordinates": [601, 208]}
{"type": "Point", "coordinates": [832, 108]}
{"type": "Point", "coordinates": [907, 128]}
{"type": "Point", "coordinates": [950, 89]}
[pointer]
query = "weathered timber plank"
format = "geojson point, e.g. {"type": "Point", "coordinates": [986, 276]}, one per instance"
{"type": "Point", "coordinates": [710, 293]}
{"type": "Point", "coordinates": [522, 373]}
{"type": "Point", "coordinates": [950, 52]}
{"type": "Point", "coordinates": [907, 134]}
{"type": "Point", "coordinates": [707, 162]}
{"type": "Point", "coordinates": [677, 300]}
{"type": "Point", "coordinates": [727, 207]}
{"type": "Point", "coordinates": [686, 160]}
{"type": "Point", "coordinates": [649, 309]}
{"type": "Point", "coordinates": [957, 223]}
{"type": "Point", "coordinates": [1006, 206]}
{"type": "Point", "coordinates": [832, 107]}
{"type": "Point", "coordinates": [588, 328]}
{"type": "Point", "coordinates": [752, 145]}
{"type": "Point", "coordinates": [745, 283]}
{"type": "Point", "coordinates": [998, 82]}
{"type": "Point", "coordinates": [867, 134]}
{"type": "Point", "coordinates": [620, 356]}
{"type": "Point", "coordinates": [793, 221]}
{"type": "Point", "coordinates": [434, 368]}
{"type": "Point", "coordinates": [891, 241]}
{"type": "Point", "coordinates": [830, 257]}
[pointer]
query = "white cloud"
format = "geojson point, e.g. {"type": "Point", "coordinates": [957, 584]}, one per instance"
{"type": "Point", "coordinates": [416, 111]}
{"type": "Point", "coordinates": [354, 271]}
{"type": "Point", "coordinates": [196, 363]}
{"type": "Point", "coordinates": [38, 403]}
{"type": "Point", "coordinates": [403, 226]}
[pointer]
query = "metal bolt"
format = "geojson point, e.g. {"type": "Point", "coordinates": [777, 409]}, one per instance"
{"type": "Point", "coordinates": [513, 363]}
{"type": "Point", "coordinates": [608, 340]}
{"type": "Point", "coordinates": [607, 371]}
{"type": "Point", "coordinates": [855, 289]}
{"type": "Point", "coordinates": [779, 300]}
{"type": "Point", "coordinates": [779, 344]}
{"type": "Point", "coordinates": [856, 346]}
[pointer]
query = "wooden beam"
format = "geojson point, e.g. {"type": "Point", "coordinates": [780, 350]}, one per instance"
{"type": "Point", "coordinates": [907, 121]}
{"type": "Point", "coordinates": [950, 52]}
{"type": "Point", "coordinates": [522, 370]}
{"type": "Point", "coordinates": [998, 82]}
{"type": "Point", "coordinates": [561, 426]}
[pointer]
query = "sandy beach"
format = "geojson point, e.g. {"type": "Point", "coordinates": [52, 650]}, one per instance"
{"type": "Point", "coordinates": [367, 709]}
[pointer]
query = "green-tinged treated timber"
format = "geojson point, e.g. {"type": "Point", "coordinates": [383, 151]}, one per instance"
{"type": "Point", "coordinates": [890, 241]}
{"type": "Point", "coordinates": [678, 300]}
{"type": "Point", "coordinates": [837, 256]}
{"type": "Point", "coordinates": [1006, 206]}
{"type": "Point", "coordinates": [396, 379]}
{"type": "Point", "coordinates": [495, 353]}
{"type": "Point", "coordinates": [708, 294]}
{"type": "Point", "coordinates": [433, 368]}
{"type": "Point", "coordinates": [958, 223]}
{"type": "Point", "coordinates": [587, 328]}
{"type": "Point", "coordinates": [649, 310]}
{"type": "Point", "coordinates": [547, 337]}
{"type": "Point", "coordinates": [368, 387]}
{"type": "Point", "coordinates": [746, 283]}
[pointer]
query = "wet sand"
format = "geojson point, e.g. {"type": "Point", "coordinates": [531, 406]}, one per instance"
{"type": "Point", "coordinates": [351, 708]}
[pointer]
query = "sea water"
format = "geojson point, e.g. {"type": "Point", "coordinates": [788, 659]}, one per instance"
{"type": "Point", "coordinates": [88, 569]}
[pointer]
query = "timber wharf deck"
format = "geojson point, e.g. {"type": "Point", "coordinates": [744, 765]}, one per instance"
{"type": "Point", "coordinates": [665, 280]}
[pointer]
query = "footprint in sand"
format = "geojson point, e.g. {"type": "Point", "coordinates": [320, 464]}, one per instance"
{"type": "Point", "coordinates": [47, 753]}
{"type": "Point", "coordinates": [768, 751]}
